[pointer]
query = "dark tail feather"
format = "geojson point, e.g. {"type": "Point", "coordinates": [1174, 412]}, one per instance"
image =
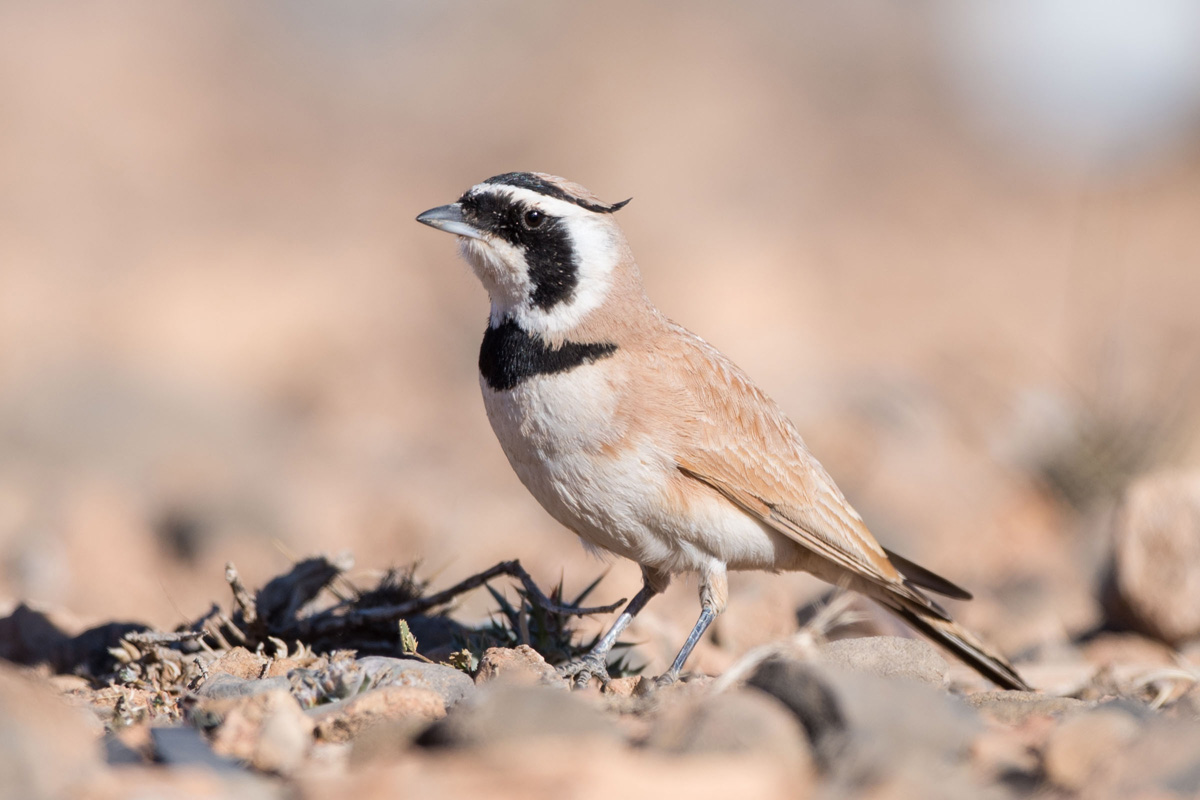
{"type": "Point", "coordinates": [959, 641]}
{"type": "Point", "coordinates": [919, 576]}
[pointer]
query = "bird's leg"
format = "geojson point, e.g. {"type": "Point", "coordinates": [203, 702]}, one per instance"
{"type": "Point", "coordinates": [714, 591]}
{"type": "Point", "coordinates": [596, 661]}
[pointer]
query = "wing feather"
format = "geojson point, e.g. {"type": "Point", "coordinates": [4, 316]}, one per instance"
{"type": "Point", "coordinates": [740, 444]}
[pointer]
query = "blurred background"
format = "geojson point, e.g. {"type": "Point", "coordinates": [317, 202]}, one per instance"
{"type": "Point", "coordinates": [958, 242]}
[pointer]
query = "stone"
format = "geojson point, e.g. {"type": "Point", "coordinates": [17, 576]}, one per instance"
{"type": "Point", "coordinates": [347, 719]}
{"type": "Point", "coordinates": [888, 657]}
{"type": "Point", "coordinates": [561, 769]}
{"type": "Point", "coordinates": [1012, 753]}
{"type": "Point", "coordinates": [1115, 650]}
{"type": "Point", "coordinates": [280, 667]}
{"type": "Point", "coordinates": [1160, 761]}
{"type": "Point", "coordinates": [184, 746]}
{"type": "Point", "coordinates": [504, 714]}
{"type": "Point", "coordinates": [1014, 707]}
{"type": "Point", "coordinates": [269, 731]}
{"type": "Point", "coordinates": [1084, 744]}
{"type": "Point", "coordinates": [47, 747]}
{"type": "Point", "coordinates": [521, 664]}
{"type": "Point", "coordinates": [1187, 705]}
{"type": "Point", "coordinates": [156, 781]}
{"type": "Point", "coordinates": [865, 728]}
{"type": "Point", "coordinates": [224, 686]}
{"type": "Point", "coordinates": [623, 687]}
{"type": "Point", "coordinates": [240, 663]}
{"type": "Point", "coordinates": [1154, 583]}
{"type": "Point", "coordinates": [453, 685]}
{"type": "Point", "coordinates": [804, 691]}
{"type": "Point", "coordinates": [897, 726]}
{"type": "Point", "coordinates": [734, 722]}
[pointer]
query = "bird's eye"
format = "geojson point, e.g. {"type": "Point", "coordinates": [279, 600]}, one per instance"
{"type": "Point", "coordinates": [534, 218]}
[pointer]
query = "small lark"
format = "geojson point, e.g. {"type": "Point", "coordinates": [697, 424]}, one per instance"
{"type": "Point", "coordinates": [642, 438]}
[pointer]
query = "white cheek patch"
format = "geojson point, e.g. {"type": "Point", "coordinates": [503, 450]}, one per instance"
{"type": "Point", "coordinates": [596, 255]}
{"type": "Point", "coordinates": [502, 268]}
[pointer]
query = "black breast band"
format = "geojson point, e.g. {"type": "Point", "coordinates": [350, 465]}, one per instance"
{"type": "Point", "coordinates": [509, 356]}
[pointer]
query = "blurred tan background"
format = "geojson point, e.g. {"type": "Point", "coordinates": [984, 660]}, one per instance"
{"type": "Point", "coordinates": [959, 243]}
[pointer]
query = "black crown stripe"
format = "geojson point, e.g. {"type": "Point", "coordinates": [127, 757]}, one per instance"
{"type": "Point", "coordinates": [527, 180]}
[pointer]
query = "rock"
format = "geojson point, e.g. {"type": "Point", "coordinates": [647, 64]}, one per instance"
{"type": "Point", "coordinates": [888, 657]}
{"type": "Point", "coordinates": [562, 769]}
{"type": "Point", "coordinates": [504, 714]}
{"type": "Point", "coordinates": [1013, 707]}
{"type": "Point", "coordinates": [803, 690]}
{"type": "Point", "coordinates": [47, 748]}
{"type": "Point", "coordinates": [1154, 585]}
{"type": "Point", "coordinates": [1114, 650]}
{"type": "Point", "coordinates": [240, 663]}
{"type": "Point", "coordinates": [735, 722]}
{"type": "Point", "coordinates": [183, 746]}
{"type": "Point", "coordinates": [224, 686]}
{"type": "Point", "coordinates": [1187, 705]}
{"type": "Point", "coordinates": [118, 753]}
{"type": "Point", "coordinates": [865, 728]}
{"type": "Point", "coordinates": [452, 684]}
{"type": "Point", "coordinates": [1012, 753]}
{"type": "Point", "coordinates": [269, 731]}
{"type": "Point", "coordinates": [896, 725]}
{"type": "Point", "coordinates": [623, 687]}
{"type": "Point", "coordinates": [1084, 744]}
{"type": "Point", "coordinates": [183, 782]}
{"type": "Point", "coordinates": [347, 719]}
{"type": "Point", "coordinates": [521, 664]}
{"type": "Point", "coordinates": [1160, 761]}
{"type": "Point", "coordinates": [280, 667]}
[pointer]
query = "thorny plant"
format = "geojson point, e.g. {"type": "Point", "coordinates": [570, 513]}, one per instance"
{"type": "Point", "coordinates": [288, 619]}
{"type": "Point", "coordinates": [546, 630]}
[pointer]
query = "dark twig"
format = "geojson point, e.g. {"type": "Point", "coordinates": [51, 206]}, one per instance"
{"type": "Point", "coordinates": [150, 637]}
{"type": "Point", "coordinates": [326, 622]}
{"type": "Point", "coordinates": [244, 600]}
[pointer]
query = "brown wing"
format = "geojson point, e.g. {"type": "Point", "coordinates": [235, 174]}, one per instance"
{"type": "Point", "coordinates": [744, 447]}
{"type": "Point", "coordinates": [735, 440]}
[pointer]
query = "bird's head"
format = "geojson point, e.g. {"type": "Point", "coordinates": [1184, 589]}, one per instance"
{"type": "Point", "coordinates": [547, 250]}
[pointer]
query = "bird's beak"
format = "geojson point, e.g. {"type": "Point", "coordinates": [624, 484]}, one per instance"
{"type": "Point", "coordinates": [450, 219]}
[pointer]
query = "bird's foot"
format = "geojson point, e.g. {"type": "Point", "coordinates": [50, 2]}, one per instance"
{"type": "Point", "coordinates": [582, 670]}
{"type": "Point", "coordinates": [668, 678]}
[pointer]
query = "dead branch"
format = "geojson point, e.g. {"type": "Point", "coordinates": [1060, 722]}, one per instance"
{"type": "Point", "coordinates": [331, 621]}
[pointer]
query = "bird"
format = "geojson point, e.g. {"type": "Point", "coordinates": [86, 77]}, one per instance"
{"type": "Point", "coordinates": [643, 439]}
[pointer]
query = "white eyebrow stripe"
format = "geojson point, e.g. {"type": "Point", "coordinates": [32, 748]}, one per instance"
{"type": "Point", "coordinates": [544, 202]}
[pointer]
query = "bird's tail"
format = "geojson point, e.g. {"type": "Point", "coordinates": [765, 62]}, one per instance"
{"type": "Point", "coordinates": [959, 641]}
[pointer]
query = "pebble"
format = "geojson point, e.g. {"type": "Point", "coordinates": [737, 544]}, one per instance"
{"type": "Point", "coordinates": [1083, 744]}
{"type": "Point", "coordinates": [1155, 581]}
{"type": "Point", "coordinates": [47, 747]}
{"type": "Point", "coordinates": [268, 730]}
{"type": "Point", "coordinates": [1014, 707]}
{"type": "Point", "coordinates": [347, 719]}
{"type": "Point", "coordinates": [735, 722]}
{"type": "Point", "coordinates": [505, 714]}
{"type": "Point", "coordinates": [521, 664]}
{"type": "Point", "coordinates": [888, 657]}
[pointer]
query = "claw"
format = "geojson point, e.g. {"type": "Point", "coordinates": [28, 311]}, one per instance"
{"type": "Point", "coordinates": [668, 678]}
{"type": "Point", "coordinates": [582, 670]}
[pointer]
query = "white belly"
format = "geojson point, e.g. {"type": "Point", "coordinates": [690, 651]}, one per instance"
{"type": "Point", "coordinates": [562, 438]}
